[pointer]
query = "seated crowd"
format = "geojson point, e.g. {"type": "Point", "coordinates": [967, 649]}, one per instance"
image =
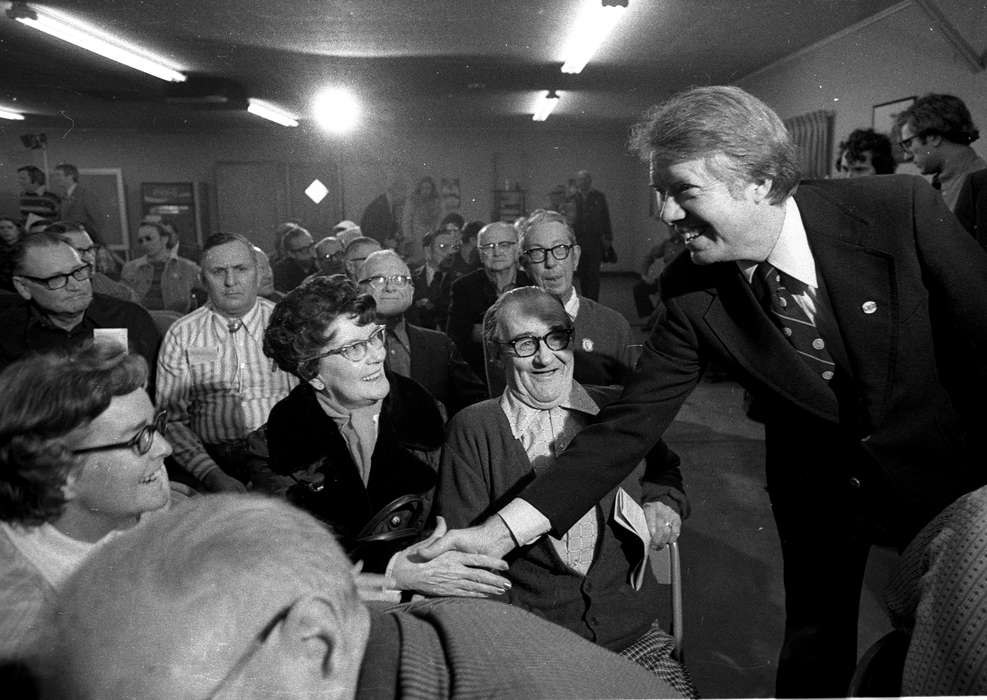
{"type": "Point", "coordinates": [331, 400]}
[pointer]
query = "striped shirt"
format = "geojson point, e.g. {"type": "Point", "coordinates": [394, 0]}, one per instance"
{"type": "Point", "coordinates": [216, 385]}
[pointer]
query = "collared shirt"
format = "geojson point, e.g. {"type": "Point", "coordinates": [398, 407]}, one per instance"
{"type": "Point", "coordinates": [544, 434]}
{"type": "Point", "coordinates": [398, 348]}
{"type": "Point", "coordinates": [216, 385]}
{"type": "Point", "coordinates": [359, 428]}
{"type": "Point", "coordinates": [955, 172]}
{"type": "Point", "coordinates": [572, 304]}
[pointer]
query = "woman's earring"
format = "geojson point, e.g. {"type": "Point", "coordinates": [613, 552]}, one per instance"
{"type": "Point", "coordinates": [317, 384]}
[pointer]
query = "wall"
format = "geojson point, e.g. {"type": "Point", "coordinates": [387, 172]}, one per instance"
{"type": "Point", "coordinates": [898, 55]}
{"type": "Point", "coordinates": [536, 157]}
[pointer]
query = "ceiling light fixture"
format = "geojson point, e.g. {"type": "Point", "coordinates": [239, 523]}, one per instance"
{"type": "Point", "coordinates": [10, 114]}
{"type": "Point", "coordinates": [92, 39]}
{"type": "Point", "coordinates": [268, 111]}
{"type": "Point", "coordinates": [336, 110]}
{"type": "Point", "coordinates": [545, 104]}
{"type": "Point", "coordinates": [596, 19]}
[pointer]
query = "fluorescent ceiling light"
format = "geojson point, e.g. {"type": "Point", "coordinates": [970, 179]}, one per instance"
{"type": "Point", "coordinates": [593, 23]}
{"type": "Point", "coordinates": [10, 114]}
{"type": "Point", "coordinates": [93, 39]}
{"type": "Point", "coordinates": [337, 110]}
{"type": "Point", "coordinates": [268, 111]}
{"type": "Point", "coordinates": [545, 104]}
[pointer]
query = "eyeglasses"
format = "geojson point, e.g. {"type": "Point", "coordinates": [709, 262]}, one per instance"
{"type": "Point", "coordinates": [58, 281]}
{"type": "Point", "coordinates": [906, 144]}
{"type": "Point", "coordinates": [304, 249]}
{"type": "Point", "coordinates": [140, 443]}
{"type": "Point", "coordinates": [91, 250]}
{"type": "Point", "coordinates": [381, 281]}
{"type": "Point", "coordinates": [559, 252]}
{"type": "Point", "coordinates": [331, 256]}
{"type": "Point", "coordinates": [527, 345]}
{"type": "Point", "coordinates": [355, 352]}
{"type": "Point", "coordinates": [503, 246]}
{"type": "Point", "coordinates": [449, 246]}
{"type": "Point", "coordinates": [255, 645]}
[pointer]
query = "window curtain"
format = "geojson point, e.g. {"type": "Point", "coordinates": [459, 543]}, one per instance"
{"type": "Point", "coordinates": [813, 135]}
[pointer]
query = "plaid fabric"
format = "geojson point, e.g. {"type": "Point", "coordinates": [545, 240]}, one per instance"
{"type": "Point", "coordinates": [653, 650]}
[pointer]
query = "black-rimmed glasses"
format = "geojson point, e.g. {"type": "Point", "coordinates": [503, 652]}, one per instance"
{"type": "Point", "coordinates": [527, 345]}
{"type": "Point", "coordinates": [906, 144]}
{"type": "Point", "coordinates": [80, 274]}
{"type": "Point", "coordinates": [355, 352]}
{"type": "Point", "coordinates": [255, 645]}
{"type": "Point", "coordinates": [381, 281]}
{"type": "Point", "coordinates": [559, 252]}
{"type": "Point", "coordinates": [140, 443]}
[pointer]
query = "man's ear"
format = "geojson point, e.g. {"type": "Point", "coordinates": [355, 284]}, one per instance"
{"type": "Point", "coordinates": [318, 648]}
{"type": "Point", "coordinates": [575, 252]}
{"type": "Point", "coordinates": [933, 140]}
{"type": "Point", "coordinates": [22, 288]}
{"type": "Point", "coordinates": [761, 190]}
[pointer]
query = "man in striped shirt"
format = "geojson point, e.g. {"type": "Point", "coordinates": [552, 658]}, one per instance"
{"type": "Point", "coordinates": [213, 377]}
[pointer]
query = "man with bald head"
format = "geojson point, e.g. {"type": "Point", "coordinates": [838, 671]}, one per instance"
{"type": "Point", "coordinates": [329, 256]}
{"type": "Point", "coordinates": [472, 294]}
{"type": "Point", "coordinates": [427, 356]}
{"type": "Point", "coordinates": [355, 253]}
{"type": "Point", "coordinates": [59, 308]}
{"type": "Point", "coordinates": [249, 597]}
{"type": "Point", "coordinates": [593, 233]}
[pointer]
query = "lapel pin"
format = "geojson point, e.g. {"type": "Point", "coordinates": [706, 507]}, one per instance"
{"type": "Point", "coordinates": [588, 344]}
{"type": "Point", "coordinates": [869, 307]}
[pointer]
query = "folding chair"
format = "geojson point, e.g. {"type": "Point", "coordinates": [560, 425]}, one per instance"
{"type": "Point", "coordinates": [667, 569]}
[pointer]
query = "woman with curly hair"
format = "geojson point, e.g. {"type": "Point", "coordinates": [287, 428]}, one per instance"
{"type": "Point", "coordinates": [366, 437]}
{"type": "Point", "coordinates": [81, 459]}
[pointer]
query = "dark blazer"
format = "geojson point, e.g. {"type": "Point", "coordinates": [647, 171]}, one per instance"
{"type": "Point", "coordinates": [288, 274]}
{"type": "Point", "coordinates": [300, 434]}
{"type": "Point", "coordinates": [592, 226]}
{"type": "Point", "coordinates": [430, 303]}
{"type": "Point", "coordinates": [378, 221]}
{"type": "Point", "coordinates": [971, 207]}
{"type": "Point", "coordinates": [83, 207]}
{"type": "Point", "coordinates": [907, 288]}
{"type": "Point", "coordinates": [471, 296]}
{"type": "Point", "coordinates": [437, 365]}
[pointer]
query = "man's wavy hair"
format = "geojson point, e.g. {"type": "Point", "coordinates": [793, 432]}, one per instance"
{"type": "Point", "coordinates": [46, 399]}
{"type": "Point", "coordinates": [296, 333]}
{"type": "Point", "coordinates": [741, 139]}
{"type": "Point", "coordinates": [859, 142]}
{"type": "Point", "coordinates": [945, 115]}
{"type": "Point", "coordinates": [542, 216]}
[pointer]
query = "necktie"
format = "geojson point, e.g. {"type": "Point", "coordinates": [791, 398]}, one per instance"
{"type": "Point", "coordinates": [798, 328]}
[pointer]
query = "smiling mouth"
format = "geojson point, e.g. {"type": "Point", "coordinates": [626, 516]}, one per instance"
{"type": "Point", "coordinates": [153, 477]}
{"type": "Point", "coordinates": [372, 377]}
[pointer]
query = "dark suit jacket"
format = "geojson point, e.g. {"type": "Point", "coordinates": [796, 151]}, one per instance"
{"type": "Point", "coordinates": [971, 207]}
{"type": "Point", "coordinates": [430, 304]}
{"type": "Point", "coordinates": [437, 365]}
{"type": "Point", "coordinates": [908, 292]}
{"type": "Point", "coordinates": [471, 296]}
{"type": "Point", "coordinates": [592, 225]}
{"type": "Point", "coordinates": [83, 207]}
{"type": "Point", "coordinates": [378, 220]}
{"type": "Point", "coordinates": [464, 648]}
{"type": "Point", "coordinates": [300, 434]}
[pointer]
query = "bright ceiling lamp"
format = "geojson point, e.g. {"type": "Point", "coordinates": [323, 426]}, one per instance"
{"type": "Point", "coordinates": [93, 39]}
{"type": "Point", "coordinates": [595, 20]}
{"type": "Point", "coordinates": [545, 104]}
{"type": "Point", "coordinates": [10, 114]}
{"type": "Point", "coordinates": [268, 111]}
{"type": "Point", "coordinates": [336, 110]}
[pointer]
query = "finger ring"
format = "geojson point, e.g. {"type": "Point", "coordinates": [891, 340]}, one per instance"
{"type": "Point", "coordinates": [668, 524]}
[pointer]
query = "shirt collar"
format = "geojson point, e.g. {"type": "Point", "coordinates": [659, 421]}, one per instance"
{"type": "Point", "coordinates": [791, 253]}
{"type": "Point", "coordinates": [572, 304]}
{"type": "Point", "coordinates": [520, 415]}
{"type": "Point", "coordinates": [252, 321]}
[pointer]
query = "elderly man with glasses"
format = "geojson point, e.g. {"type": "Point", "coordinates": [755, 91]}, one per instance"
{"type": "Point", "coordinates": [431, 301]}
{"type": "Point", "coordinates": [299, 259]}
{"type": "Point", "coordinates": [60, 310]}
{"type": "Point", "coordinates": [471, 295]}
{"type": "Point", "coordinates": [76, 236]}
{"type": "Point", "coordinates": [427, 356]}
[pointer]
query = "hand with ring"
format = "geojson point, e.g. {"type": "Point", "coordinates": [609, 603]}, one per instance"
{"type": "Point", "coordinates": [664, 523]}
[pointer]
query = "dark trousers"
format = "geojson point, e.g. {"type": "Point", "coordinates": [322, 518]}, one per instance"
{"type": "Point", "coordinates": [588, 271]}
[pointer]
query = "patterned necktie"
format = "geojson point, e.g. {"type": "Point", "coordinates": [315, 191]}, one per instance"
{"type": "Point", "coordinates": [769, 287]}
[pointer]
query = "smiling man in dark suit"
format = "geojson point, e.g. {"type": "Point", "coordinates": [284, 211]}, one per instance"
{"type": "Point", "coordinates": [429, 357]}
{"type": "Point", "coordinates": [855, 309]}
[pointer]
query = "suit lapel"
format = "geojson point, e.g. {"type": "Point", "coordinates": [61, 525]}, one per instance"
{"type": "Point", "coordinates": [736, 318]}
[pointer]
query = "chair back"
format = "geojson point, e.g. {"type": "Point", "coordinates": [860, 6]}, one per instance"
{"type": "Point", "coordinates": [667, 568]}
{"type": "Point", "coordinates": [163, 319]}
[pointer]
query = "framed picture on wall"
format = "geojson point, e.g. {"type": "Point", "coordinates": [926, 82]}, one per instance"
{"type": "Point", "coordinates": [886, 112]}
{"type": "Point", "coordinates": [107, 185]}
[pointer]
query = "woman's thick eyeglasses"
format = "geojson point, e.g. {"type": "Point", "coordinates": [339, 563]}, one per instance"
{"type": "Point", "coordinates": [381, 281]}
{"type": "Point", "coordinates": [559, 252]}
{"type": "Point", "coordinates": [355, 352]}
{"type": "Point", "coordinates": [526, 346]}
{"type": "Point", "coordinates": [54, 282]}
{"type": "Point", "coordinates": [140, 443]}
{"type": "Point", "coordinates": [503, 246]}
